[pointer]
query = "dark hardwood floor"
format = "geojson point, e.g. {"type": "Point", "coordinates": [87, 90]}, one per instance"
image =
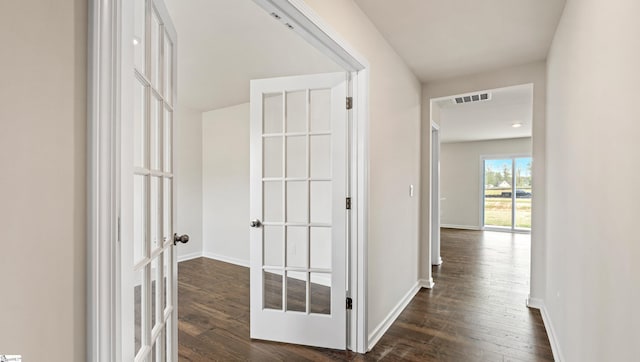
{"type": "Point", "coordinates": [476, 312]}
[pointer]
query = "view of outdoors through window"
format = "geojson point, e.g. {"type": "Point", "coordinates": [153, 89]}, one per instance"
{"type": "Point", "coordinates": [500, 192]}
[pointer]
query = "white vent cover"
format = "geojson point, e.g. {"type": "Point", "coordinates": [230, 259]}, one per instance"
{"type": "Point", "coordinates": [479, 97]}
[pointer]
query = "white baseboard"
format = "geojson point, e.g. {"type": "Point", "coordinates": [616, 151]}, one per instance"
{"type": "Point", "coordinates": [226, 259]}
{"type": "Point", "coordinates": [424, 283]}
{"type": "Point", "coordinates": [189, 256]}
{"type": "Point", "coordinates": [382, 328]}
{"type": "Point", "coordinates": [539, 304]}
{"type": "Point", "coordinates": [463, 227]}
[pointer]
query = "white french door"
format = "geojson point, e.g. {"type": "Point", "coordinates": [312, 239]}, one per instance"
{"type": "Point", "coordinates": [148, 267]}
{"type": "Point", "coordinates": [299, 128]}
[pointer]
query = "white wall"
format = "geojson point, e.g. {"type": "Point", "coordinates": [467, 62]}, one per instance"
{"type": "Point", "coordinates": [395, 159]}
{"type": "Point", "coordinates": [188, 160]}
{"type": "Point", "coordinates": [225, 180]}
{"type": "Point", "coordinates": [593, 173]}
{"type": "Point", "coordinates": [461, 177]}
{"type": "Point", "coordinates": [43, 118]}
{"type": "Point", "coordinates": [529, 73]}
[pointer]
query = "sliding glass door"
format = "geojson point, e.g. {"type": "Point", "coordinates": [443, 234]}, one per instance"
{"type": "Point", "coordinates": [507, 193]}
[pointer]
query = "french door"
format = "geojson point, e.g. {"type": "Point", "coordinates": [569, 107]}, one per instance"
{"type": "Point", "coordinates": [299, 129]}
{"type": "Point", "coordinates": [507, 193]}
{"type": "Point", "coordinates": [148, 268]}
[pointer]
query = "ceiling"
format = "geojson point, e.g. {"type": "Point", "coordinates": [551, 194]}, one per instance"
{"type": "Point", "coordinates": [444, 38]}
{"type": "Point", "coordinates": [223, 44]}
{"type": "Point", "coordinates": [487, 120]}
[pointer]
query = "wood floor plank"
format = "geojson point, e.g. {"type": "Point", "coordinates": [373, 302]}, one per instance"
{"type": "Point", "coordinates": [476, 312]}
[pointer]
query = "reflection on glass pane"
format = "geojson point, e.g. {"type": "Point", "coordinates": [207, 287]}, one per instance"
{"type": "Point", "coordinates": [321, 202]}
{"type": "Point", "coordinates": [297, 201]}
{"type": "Point", "coordinates": [297, 111]}
{"type": "Point", "coordinates": [272, 156]}
{"type": "Point", "coordinates": [153, 352]}
{"type": "Point", "coordinates": [168, 141]}
{"type": "Point", "coordinates": [320, 248]}
{"type": "Point", "coordinates": [272, 113]}
{"type": "Point", "coordinates": [167, 212]}
{"type": "Point", "coordinates": [139, 217]}
{"type": "Point", "coordinates": [297, 291]}
{"type": "Point", "coordinates": [138, 34]}
{"type": "Point", "coordinates": [139, 124]}
{"type": "Point", "coordinates": [138, 307]}
{"type": "Point", "coordinates": [497, 191]}
{"type": "Point", "coordinates": [156, 131]}
{"type": "Point", "coordinates": [320, 293]}
{"type": "Point", "coordinates": [168, 73]}
{"type": "Point", "coordinates": [160, 352]}
{"type": "Point", "coordinates": [272, 290]}
{"type": "Point", "coordinates": [320, 109]}
{"type": "Point", "coordinates": [155, 213]}
{"type": "Point", "coordinates": [320, 149]}
{"type": "Point", "coordinates": [155, 49]}
{"type": "Point", "coordinates": [524, 192]}
{"type": "Point", "coordinates": [273, 245]}
{"type": "Point", "coordinates": [297, 246]}
{"type": "Point", "coordinates": [297, 156]}
{"type": "Point", "coordinates": [167, 278]}
{"type": "Point", "coordinates": [155, 290]}
{"type": "Point", "coordinates": [168, 339]}
{"type": "Point", "coordinates": [272, 196]}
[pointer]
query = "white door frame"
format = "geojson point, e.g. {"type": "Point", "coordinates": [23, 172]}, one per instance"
{"type": "Point", "coordinates": [103, 186]}
{"type": "Point", "coordinates": [436, 259]}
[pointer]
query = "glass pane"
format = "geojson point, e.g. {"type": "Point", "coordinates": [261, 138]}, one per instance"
{"type": "Point", "coordinates": [297, 246]}
{"type": "Point", "coordinates": [153, 352]}
{"type": "Point", "coordinates": [321, 202]}
{"type": "Point", "coordinates": [167, 199]}
{"type": "Point", "coordinates": [155, 210]}
{"type": "Point", "coordinates": [139, 217]}
{"type": "Point", "coordinates": [320, 149]}
{"type": "Point", "coordinates": [139, 124]}
{"type": "Point", "coordinates": [138, 34]}
{"type": "Point", "coordinates": [168, 340]}
{"type": "Point", "coordinates": [320, 248]}
{"type": "Point", "coordinates": [297, 111]}
{"type": "Point", "coordinates": [297, 201]}
{"type": "Point", "coordinates": [168, 72]}
{"type": "Point", "coordinates": [168, 278]}
{"type": "Point", "coordinates": [320, 293]}
{"type": "Point", "coordinates": [272, 157]}
{"type": "Point", "coordinates": [497, 192]}
{"type": "Point", "coordinates": [523, 193]}
{"type": "Point", "coordinates": [160, 352]}
{"type": "Point", "coordinates": [168, 140]}
{"type": "Point", "coordinates": [297, 291]}
{"type": "Point", "coordinates": [155, 50]}
{"type": "Point", "coordinates": [139, 299]}
{"type": "Point", "coordinates": [272, 290]}
{"type": "Point", "coordinates": [320, 110]}
{"type": "Point", "coordinates": [156, 133]}
{"type": "Point", "coordinates": [272, 113]}
{"type": "Point", "coordinates": [273, 246]}
{"type": "Point", "coordinates": [155, 290]}
{"type": "Point", "coordinates": [297, 156]}
{"type": "Point", "coordinates": [273, 210]}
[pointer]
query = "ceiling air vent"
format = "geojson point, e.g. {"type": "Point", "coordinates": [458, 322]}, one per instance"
{"type": "Point", "coordinates": [473, 98]}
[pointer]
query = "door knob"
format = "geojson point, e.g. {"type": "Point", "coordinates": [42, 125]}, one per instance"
{"type": "Point", "coordinates": [255, 223]}
{"type": "Point", "coordinates": [180, 238]}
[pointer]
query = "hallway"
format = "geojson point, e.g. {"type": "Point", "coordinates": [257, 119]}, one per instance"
{"type": "Point", "coordinates": [476, 312]}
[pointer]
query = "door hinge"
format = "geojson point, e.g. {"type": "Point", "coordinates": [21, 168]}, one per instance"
{"type": "Point", "coordinates": [349, 303]}
{"type": "Point", "coordinates": [348, 203]}
{"type": "Point", "coordinates": [349, 102]}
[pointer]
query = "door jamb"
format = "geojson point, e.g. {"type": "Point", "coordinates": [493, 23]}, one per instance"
{"type": "Point", "coordinates": [435, 211]}
{"type": "Point", "coordinates": [103, 194]}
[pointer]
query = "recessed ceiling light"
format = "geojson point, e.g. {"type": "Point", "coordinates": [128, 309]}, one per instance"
{"type": "Point", "coordinates": [516, 125]}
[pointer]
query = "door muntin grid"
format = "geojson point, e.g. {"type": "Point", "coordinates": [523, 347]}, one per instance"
{"type": "Point", "coordinates": [154, 258]}
{"type": "Point", "coordinates": [297, 201]}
